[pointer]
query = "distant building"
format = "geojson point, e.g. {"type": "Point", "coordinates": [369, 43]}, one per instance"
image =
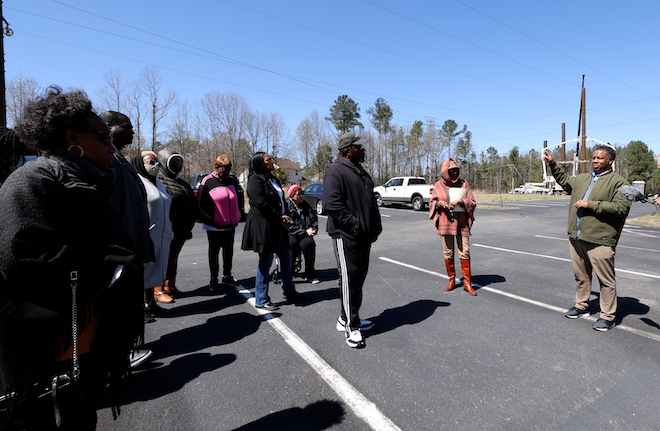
{"type": "Point", "coordinates": [293, 173]}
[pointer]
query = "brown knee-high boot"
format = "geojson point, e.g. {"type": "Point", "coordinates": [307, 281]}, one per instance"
{"type": "Point", "coordinates": [451, 273]}
{"type": "Point", "coordinates": [170, 280]}
{"type": "Point", "coordinates": [467, 277]}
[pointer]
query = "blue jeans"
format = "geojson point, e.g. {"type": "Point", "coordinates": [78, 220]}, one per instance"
{"type": "Point", "coordinates": [263, 271]}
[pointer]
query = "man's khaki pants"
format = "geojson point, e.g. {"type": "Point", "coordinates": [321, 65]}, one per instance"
{"type": "Point", "coordinates": [587, 257]}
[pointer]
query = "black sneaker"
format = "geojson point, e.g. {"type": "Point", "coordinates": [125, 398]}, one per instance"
{"type": "Point", "coordinates": [268, 306]}
{"type": "Point", "coordinates": [603, 325]}
{"type": "Point", "coordinates": [213, 285]}
{"type": "Point", "coordinates": [575, 312]}
{"type": "Point", "coordinates": [228, 280]}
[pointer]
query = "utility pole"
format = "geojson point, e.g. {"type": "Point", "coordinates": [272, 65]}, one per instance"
{"type": "Point", "coordinates": [3, 99]}
{"type": "Point", "coordinates": [583, 164]}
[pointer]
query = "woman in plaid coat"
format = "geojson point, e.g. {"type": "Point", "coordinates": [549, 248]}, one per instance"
{"type": "Point", "coordinates": [452, 211]}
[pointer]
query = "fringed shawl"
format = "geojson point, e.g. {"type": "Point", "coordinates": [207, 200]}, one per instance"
{"type": "Point", "coordinates": [446, 221]}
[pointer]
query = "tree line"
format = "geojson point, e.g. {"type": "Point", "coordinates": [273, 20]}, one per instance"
{"type": "Point", "coordinates": [225, 123]}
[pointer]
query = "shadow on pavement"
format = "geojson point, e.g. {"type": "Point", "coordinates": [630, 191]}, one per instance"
{"type": "Point", "coordinates": [486, 279]}
{"type": "Point", "coordinates": [313, 296]}
{"type": "Point", "coordinates": [153, 383]}
{"type": "Point", "coordinates": [627, 306]}
{"type": "Point", "coordinates": [214, 332]}
{"type": "Point", "coordinates": [409, 314]}
{"type": "Point", "coordinates": [314, 417]}
{"type": "Point", "coordinates": [650, 322]}
{"type": "Point", "coordinates": [206, 307]}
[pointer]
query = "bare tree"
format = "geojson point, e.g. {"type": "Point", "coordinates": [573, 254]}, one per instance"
{"type": "Point", "coordinates": [20, 91]}
{"type": "Point", "coordinates": [181, 137]}
{"type": "Point", "coordinates": [159, 104]}
{"type": "Point", "coordinates": [112, 95]}
{"type": "Point", "coordinates": [253, 130]}
{"type": "Point", "coordinates": [275, 132]}
{"type": "Point", "coordinates": [136, 108]}
{"type": "Point", "coordinates": [305, 142]}
{"type": "Point", "coordinates": [226, 116]}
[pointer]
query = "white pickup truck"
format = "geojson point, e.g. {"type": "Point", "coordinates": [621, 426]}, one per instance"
{"type": "Point", "coordinates": [407, 190]}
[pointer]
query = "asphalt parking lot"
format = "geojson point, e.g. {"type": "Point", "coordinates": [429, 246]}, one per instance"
{"type": "Point", "coordinates": [506, 359]}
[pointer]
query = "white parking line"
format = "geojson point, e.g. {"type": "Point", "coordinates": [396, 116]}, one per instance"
{"type": "Point", "coordinates": [361, 406]}
{"type": "Point", "coordinates": [523, 299]}
{"type": "Point", "coordinates": [644, 274]}
{"type": "Point", "coordinates": [618, 246]}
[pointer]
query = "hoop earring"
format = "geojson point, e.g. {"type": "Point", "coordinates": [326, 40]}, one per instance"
{"type": "Point", "coordinates": [82, 151]}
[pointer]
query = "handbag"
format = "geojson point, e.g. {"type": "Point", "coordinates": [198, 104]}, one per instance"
{"type": "Point", "coordinates": [62, 392]}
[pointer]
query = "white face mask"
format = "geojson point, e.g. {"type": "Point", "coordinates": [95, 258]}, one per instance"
{"type": "Point", "coordinates": [152, 169]}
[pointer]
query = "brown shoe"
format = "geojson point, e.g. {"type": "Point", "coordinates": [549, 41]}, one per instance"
{"type": "Point", "coordinates": [161, 296]}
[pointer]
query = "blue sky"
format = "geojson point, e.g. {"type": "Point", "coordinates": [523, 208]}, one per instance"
{"type": "Point", "coordinates": [510, 70]}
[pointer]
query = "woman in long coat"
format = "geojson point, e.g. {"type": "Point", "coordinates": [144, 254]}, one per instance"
{"type": "Point", "coordinates": [64, 251]}
{"type": "Point", "coordinates": [266, 229]}
{"type": "Point", "coordinates": [158, 204]}
{"type": "Point", "coordinates": [452, 210]}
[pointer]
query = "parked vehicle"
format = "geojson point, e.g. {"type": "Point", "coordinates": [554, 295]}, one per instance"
{"type": "Point", "coordinates": [535, 188]}
{"type": "Point", "coordinates": [196, 181]}
{"type": "Point", "coordinates": [405, 190]}
{"type": "Point", "coordinates": [314, 195]}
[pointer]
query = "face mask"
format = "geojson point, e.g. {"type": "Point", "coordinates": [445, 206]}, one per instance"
{"type": "Point", "coordinates": [152, 169]}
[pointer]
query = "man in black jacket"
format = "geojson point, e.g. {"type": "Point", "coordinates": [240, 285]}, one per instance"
{"type": "Point", "coordinates": [353, 223]}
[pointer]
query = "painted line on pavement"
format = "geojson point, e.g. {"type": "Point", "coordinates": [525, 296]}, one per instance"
{"type": "Point", "coordinates": [361, 406]}
{"type": "Point", "coordinates": [523, 299]}
{"type": "Point", "coordinates": [643, 274]}
{"type": "Point", "coordinates": [618, 246]}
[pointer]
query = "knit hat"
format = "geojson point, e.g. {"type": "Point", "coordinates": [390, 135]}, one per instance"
{"type": "Point", "coordinates": [292, 189]}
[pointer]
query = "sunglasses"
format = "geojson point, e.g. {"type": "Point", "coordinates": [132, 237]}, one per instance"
{"type": "Point", "coordinates": [154, 162]}
{"type": "Point", "coordinates": [106, 137]}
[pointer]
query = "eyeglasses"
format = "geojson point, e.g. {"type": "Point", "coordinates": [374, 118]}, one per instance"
{"type": "Point", "coordinates": [106, 137]}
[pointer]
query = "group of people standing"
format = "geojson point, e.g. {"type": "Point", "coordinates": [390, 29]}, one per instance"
{"type": "Point", "coordinates": [90, 244]}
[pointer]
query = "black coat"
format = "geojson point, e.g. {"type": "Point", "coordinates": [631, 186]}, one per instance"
{"type": "Point", "coordinates": [263, 227]}
{"type": "Point", "coordinates": [58, 216]}
{"type": "Point", "coordinates": [349, 200]}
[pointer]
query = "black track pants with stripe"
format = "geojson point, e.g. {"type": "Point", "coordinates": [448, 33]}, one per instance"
{"type": "Point", "coordinates": [352, 265]}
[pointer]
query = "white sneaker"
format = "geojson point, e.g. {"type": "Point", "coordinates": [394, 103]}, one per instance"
{"type": "Point", "coordinates": [365, 325]}
{"type": "Point", "coordinates": [354, 339]}
{"type": "Point", "coordinates": [138, 357]}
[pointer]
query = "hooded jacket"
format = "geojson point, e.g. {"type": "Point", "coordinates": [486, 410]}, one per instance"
{"type": "Point", "coordinates": [349, 200]}
{"type": "Point", "coordinates": [183, 211]}
{"type": "Point", "coordinates": [446, 221]}
{"type": "Point", "coordinates": [158, 204]}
